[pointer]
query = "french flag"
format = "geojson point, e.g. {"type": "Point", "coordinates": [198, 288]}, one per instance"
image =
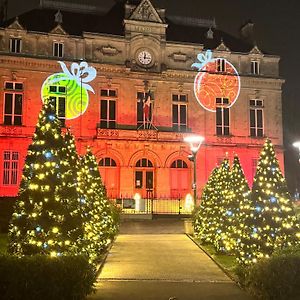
{"type": "Point", "coordinates": [146, 107]}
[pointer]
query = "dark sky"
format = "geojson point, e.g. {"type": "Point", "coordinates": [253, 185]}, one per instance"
{"type": "Point", "coordinates": [277, 31]}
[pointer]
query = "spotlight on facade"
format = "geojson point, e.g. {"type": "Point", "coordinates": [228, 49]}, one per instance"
{"type": "Point", "coordinates": [195, 142]}
{"type": "Point", "coordinates": [297, 145]}
{"type": "Point", "coordinates": [189, 203]}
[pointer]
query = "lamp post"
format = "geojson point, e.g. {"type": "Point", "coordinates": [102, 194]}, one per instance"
{"type": "Point", "coordinates": [297, 145]}
{"type": "Point", "coordinates": [195, 142]}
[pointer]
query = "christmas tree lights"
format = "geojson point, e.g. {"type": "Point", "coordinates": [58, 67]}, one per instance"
{"type": "Point", "coordinates": [271, 223]}
{"type": "Point", "coordinates": [39, 225]}
{"type": "Point", "coordinates": [235, 207]}
{"type": "Point", "coordinates": [99, 226]}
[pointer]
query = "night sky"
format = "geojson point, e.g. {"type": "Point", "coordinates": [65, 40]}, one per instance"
{"type": "Point", "coordinates": [277, 31]}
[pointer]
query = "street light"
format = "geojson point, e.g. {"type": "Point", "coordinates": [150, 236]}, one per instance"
{"type": "Point", "coordinates": [195, 142]}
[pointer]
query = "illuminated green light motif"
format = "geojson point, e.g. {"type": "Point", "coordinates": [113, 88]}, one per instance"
{"type": "Point", "coordinates": [76, 88]}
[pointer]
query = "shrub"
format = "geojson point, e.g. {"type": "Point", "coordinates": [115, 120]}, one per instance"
{"type": "Point", "coordinates": [275, 278]}
{"type": "Point", "coordinates": [43, 277]}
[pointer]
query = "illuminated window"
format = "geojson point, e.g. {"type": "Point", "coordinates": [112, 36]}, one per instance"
{"type": "Point", "coordinates": [221, 65]}
{"type": "Point", "coordinates": [144, 110]}
{"type": "Point", "coordinates": [144, 175]}
{"type": "Point", "coordinates": [58, 94]}
{"type": "Point", "coordinates": [10, 168]}
{"type": "Point", "coordinates": [108, 108]}
{"type": "Point", "coordinates": [179, 112]}
{"type": "Point", "coordinates": [15, 45]}
{"type": "Point", "coordinates": [179, 164]}
{"type": "Point", "coordinates": [256, 118]}
{"type": "Point", "coordinates": [13, 103]}
{"type": "Point", "coordinates": [58, 49]}
{"type": "Point", "coordinates": [222, 116]}
{"type": "Point", "coordinates": [255, 67]}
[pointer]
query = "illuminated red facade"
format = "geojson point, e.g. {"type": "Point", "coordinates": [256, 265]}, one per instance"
{"type": "Point", "coordinates": [136, 49]}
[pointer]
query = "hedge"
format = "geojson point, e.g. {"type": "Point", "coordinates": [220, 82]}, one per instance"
{"type": "Point", "coordinates": [42, 277]}
{"type": "Point", "coordinates": [275, 278]}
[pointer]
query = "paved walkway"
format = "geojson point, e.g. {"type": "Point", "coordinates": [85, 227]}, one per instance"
{"type": "Point", "coordinates": [147, 266]}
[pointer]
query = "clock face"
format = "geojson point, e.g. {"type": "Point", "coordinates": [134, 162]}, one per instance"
{"type": "Point", "coordinates": [145, 57]}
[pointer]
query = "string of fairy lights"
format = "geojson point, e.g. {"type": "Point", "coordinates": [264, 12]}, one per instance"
{"type": "Point", "coordinates": [62, 206]}
{"type": "Point", "coordinates": [249, 224]}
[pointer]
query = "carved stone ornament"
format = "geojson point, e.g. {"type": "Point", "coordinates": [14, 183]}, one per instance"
{"type": "Point", "coordinates": [108, 50]}
{"type": "Point", "coordinates": [179, 57]}
{"type": "Point", "coordinates": [146, 12]}
{"type": "Point", "coordinates": [222, 47]}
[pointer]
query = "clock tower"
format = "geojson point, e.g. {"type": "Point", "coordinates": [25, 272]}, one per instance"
{"type": "Point", "coordinates": [145, 33]}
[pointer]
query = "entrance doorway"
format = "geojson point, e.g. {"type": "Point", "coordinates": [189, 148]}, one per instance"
{"type": "Point", "coordinates": [144, 178]}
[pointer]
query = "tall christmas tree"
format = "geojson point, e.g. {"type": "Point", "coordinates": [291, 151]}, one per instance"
{"type": "Point", "coordinates": [69, 194]}
{"type": "Point", "coordinates": [236, 206]}
{"type": "Point", "coordinates": [38, 223]}
{"type": "Point", "coordinates": [99, 227]}
{"type": "Point", "coordinates": [273, 223]}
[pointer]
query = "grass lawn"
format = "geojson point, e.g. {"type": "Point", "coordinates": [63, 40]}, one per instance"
{"type": "Point", "coordinates": [3, 243]}
{"type": "Point", "coordinates": [227, 262]}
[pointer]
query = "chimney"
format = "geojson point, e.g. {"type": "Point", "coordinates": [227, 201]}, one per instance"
{"type": "Point", "coordinates": [247, 32]}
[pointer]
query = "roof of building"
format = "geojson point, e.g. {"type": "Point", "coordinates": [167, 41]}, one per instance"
{"type": "Point", "coordinates": [75, 23]}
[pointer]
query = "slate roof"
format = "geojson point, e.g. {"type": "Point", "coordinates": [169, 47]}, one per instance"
{"type": "Point", "coordinates": [75, 23]}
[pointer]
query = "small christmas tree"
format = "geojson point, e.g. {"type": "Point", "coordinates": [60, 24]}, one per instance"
{"type": "Point", "coordinates": [202, 213]}
{"type": "Point", "coordinates": [236, 206]}
{"type": "Point", "coordinates": [38, 223]}
{"type": "Point", "coordinates": [99, 227]}
{"type": "Point", "coordinates": [273, 223]}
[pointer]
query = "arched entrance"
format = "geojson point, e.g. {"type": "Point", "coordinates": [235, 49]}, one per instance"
{"type": "Point", "coordinates": [144, 178]}
{"type": "Point", "coordinates": [110, 175]}
{"type": "Point", "coordinates": [179, 179]}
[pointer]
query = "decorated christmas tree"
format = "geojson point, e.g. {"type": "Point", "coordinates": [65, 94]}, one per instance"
{"type": "Point", "coordinates": [208, 212]}
{"type": "Point", "coordinates": [69, 194]}
{"type": "Point", "coordinates": [99, 226]}
{"type": "Point", "coordinates": [236, 206]}
{"type": "Point", "coordinates": [272, 223]}
{"type": "Point", "coordinates": [39, 225]}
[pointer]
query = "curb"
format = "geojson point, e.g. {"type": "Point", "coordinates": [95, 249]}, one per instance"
{"type": "Point", "coordinates": [213, 259]}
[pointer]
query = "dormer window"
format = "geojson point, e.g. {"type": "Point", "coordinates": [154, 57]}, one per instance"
{"type": "Point", "coordinates": [58, 49]}
{"type": "Point", "coordinates": [254, 67]}
{"type": "Point", "coordinates": [15, 45]}
{"type": "Point", "coordinates": [221, 65]}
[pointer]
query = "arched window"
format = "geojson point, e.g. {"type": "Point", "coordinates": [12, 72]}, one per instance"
{"type": "Point", "coordinates": [179, 164]}
{"type": "Point", "coordinates": [107, 162]}
{"type": "Point", "coordinates": [110, 174]}
{"type": "Point", "coordinates": [179, 179]}
{"type": "Point", "coordinates": [144, 162]}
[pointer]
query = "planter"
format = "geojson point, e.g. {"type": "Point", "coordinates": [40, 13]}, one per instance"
{"type": "Point", "coordinates": [188, 227]}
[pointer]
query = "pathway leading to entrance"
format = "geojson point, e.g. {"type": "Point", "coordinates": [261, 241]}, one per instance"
{"type": "Point", "coordinates": [146, 265]}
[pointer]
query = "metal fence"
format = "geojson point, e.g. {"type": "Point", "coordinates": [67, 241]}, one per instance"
{"type": "Point", "coordinates": [154, 206]}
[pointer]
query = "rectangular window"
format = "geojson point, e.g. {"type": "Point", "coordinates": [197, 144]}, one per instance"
{"type": "Point", "coordinates": [144, 110]}
{"type": "Point", "coordinates": [13, 103]}
{"type": "Point", "coordinates": [179, 112]}
{"type": "Point", "coordinates": [58, 94]}
{"type": "Point", "coordinates": [221, 65]}
{"type": "Point", "coordinates": [255, 67]}
{"type": "Point", "coordinates": [256, 118]}
{"type": "Point", "coordinates": [15, 45]}
{"type": "Point", "coordinates": [58, 49]}
{"type": "Point", "coordinates": [222, 116]}
{"type": "Point", "coordinates": [10, 167]}
{"type": "Point", "coordinates": [108, 108]}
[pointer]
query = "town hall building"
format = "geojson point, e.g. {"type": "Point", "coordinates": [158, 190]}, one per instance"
{"type": "Point", "coordinates": [123, 82]}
